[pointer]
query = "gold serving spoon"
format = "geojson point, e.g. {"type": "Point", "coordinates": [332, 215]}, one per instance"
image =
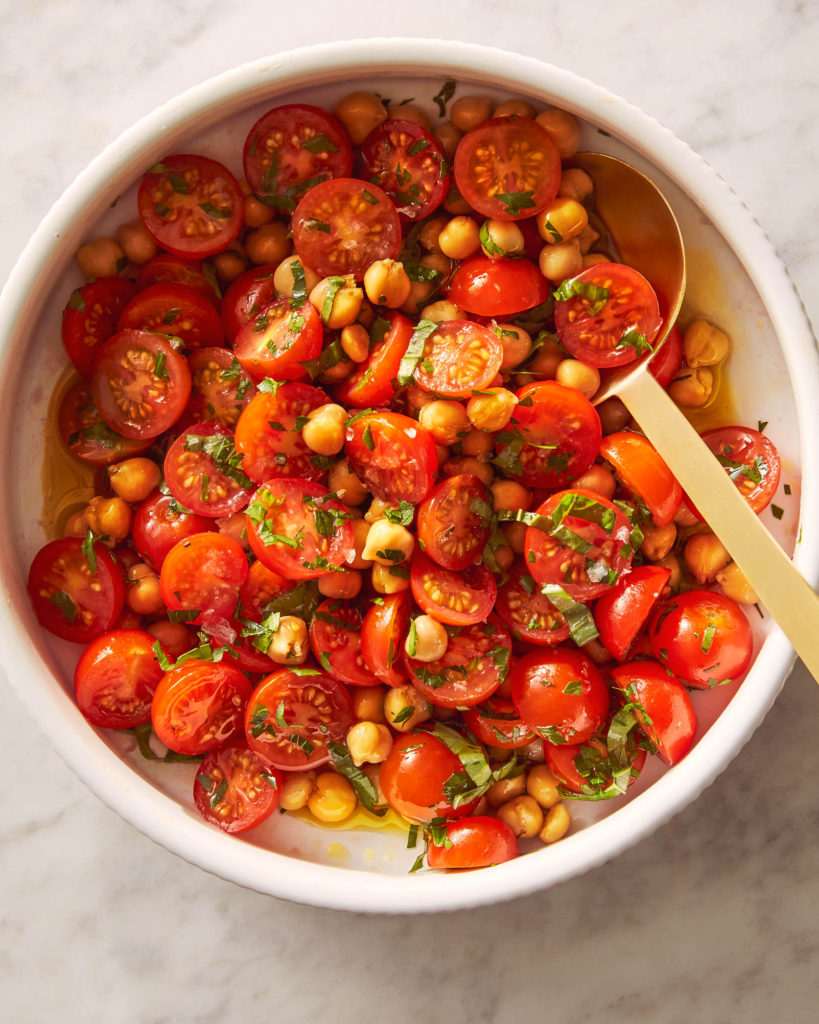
{"type": "Point", "coordinates": [647, 237]}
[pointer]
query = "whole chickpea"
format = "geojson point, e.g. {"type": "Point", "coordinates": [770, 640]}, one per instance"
{"type": "Point", "coordinates": [735, 585]}
{"type": "Point", "coordinates": [517, 344]}
{"type": "Point", "coordinates": [333, 798]}
{"type": "Point", "coordinates": [137, 245]}
{"type": "Point", "coordinates": [134, 479]}
{"type": "Point", "coordinates": [562, 220]}
{"type": "Point", "coordinates": [109, 517]}
{"type": "Point", "coordinates": [360, 112]}
{"type": "Point", "coordinates": [409, 112]}
{"type": "Point", "coordinates": [468, 464]}
{"type": "Point", "coordinates": [386, 541]}
{"type": "Point", "coordinates": [493, 410]}
{"type": "Point", "coordinates": [389, 579]}
{"type": "Point", "coordinates": [430, 232]}
{"type": "Point", "coordinates": [455, 203]}
{"type": "Point", "coordinates": [284, 282]}
{"type": "Point", "coordinates": [586, 239]}
{"type": "Point", "coordinates": [705, 555]}
{"type": "Point", "coordinates": [579, 376]}
{"type": "Point", "coordinates": [510, 495]}
{"type": "Point", "coordinates": [446, 420]}
{"type": "Point", "coordinates": [594, 259]}
{"type": "Point", "coordinates": [460, 238]}
{"type": "Point", "coordinates": [563, 127]}
{"type": "Point", "coordinates": [692, 387]}
{"type": "Point", "coordinates": [672, 563]}
{"type": "Point", "coordinates": [657, 540]}
{"type": "Point", "coordinates": [478, 444]}
{"type": "Point", "coordinates": [323, 432]}
{"type": "Point", "coordinates": [174, 637]}
{"type": "Point", "coordinates": [427, 639]}
{"type": "Point", "coordinates": [256, 213]}
{"type": "Point", "coordinates": [515, 534]}
{"type": "Point", "coordinates": [501, 238]}
{"type": "Point", "coordinates": [556, 825]}
{"type": "Point", "coordinates": [561, 260]}
{"type": "Point", "coordinates": [361, 529]}
{"type": "Point", "coordinates": [441, 310]}
{"type": "Point", "coordinates": [704, 344]}
{"type": "Point", "coordinates": [598, 478]}
{"type": "Point", "coordinates": [575, 184]}
{"type": "Point", "coordinates": [542, 785]}
{"type": "Point", "coordinates": [289, 644]}
{"type": "Point", "coordinates": [447, 136]}
{"type": "Point", "coordinates": [505, 790]}
{"type": "Point", "coordinates": [343, 481]}
{"type": "Point", "coordinates": [368, 743]}
{"type": "Point", "coordinates": [405, 708]}
{"type": "Point", "coordinates": [338, 301]}
{"type": "Point", "coordinates": [514, 108]}
{"type": "Point", "coordinates": [103, 257]}
{"type": "Point", "coordinates": [345, 584]}
{"type": "Point", "coordinates": [143, 595]}
{"type": "Point", "coordinates": [368, 702]}
{"type": "Point", "coordinates": [355, 341]}
{"type": "Point", "coordinates": [469, 111]}
{"type": "Point", "coordinates": [296, 790]}
{"type": "Point", "coordinates": [387, 283]}
{"type": "Point", "coordinates": [548, 356]}
{"type": "Point", "coordinates": [523, 815]}
{"type": "Point", "coordinates": [613, 415]}
{"type": "Point", "coordinates": [420, 291]}
{"type": "Point", "coordinates": [229, 265]}
{"type": "Point", "coordinates": [268, 244]}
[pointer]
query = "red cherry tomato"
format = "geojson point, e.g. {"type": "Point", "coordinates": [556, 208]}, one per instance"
{"type": "Point", "coordinates": [140, 384]}
{"type": "Point", "coordinates": [115, 679]}
{"type": "Point", "coordinates": [560, 694]}
{"type": "Point", "coordinates": [589, 769]}
{"type": "Point", "coordinates": [373, 382]}
{"type": "Point", "coordinates": [553, 436]}
{"type": "Point", "coordinates": [203, 471]}
{"type": "Point", "coordinates": [497, 287]}
{"type": "Point", "coordinates": [406, 161]}
{"type": "Point", "coordinates": [750, 459]}
{"type": "Point", "coordinates": [297, 530]}
{"type": "Point", "coordinates": [76, 597]}
{"type": "Point", "coordinates": [176, 309]}
{"type": "Point", "coordinates": [622, 611]}
{"type": "Point", "coordinates": [581, 543]}
{"type": "Point", "coordinates": [609, 317]}
{"type": "Point", "coordinates": [90, 318]}
{"type": "Point", "coordinates": [454, 521]}
{"type": "Point", "coordinates": [235, 790]}
{"type": "Point", "coordinates": [643, 471]}
{"type": "Point", "coordinates": [293, 715]}
{"type": "Point", "coordinates": [246, 297]}
{"type": "Point", "coordinates": [199, 706]}
{"type": "Point", "coordinates": [179, 270]}
{"type": "Point", "coordinates": [86, 436]}
{"type": "Point", "coordinates": [497, 723]}
{"type": "Point", "coordinates": [457, 598]}
{"type": "Point", "coordinates": [290, 149]}
{"type": "Point", "coordinates": [382, 637]}
{"type": "Point", "coordinates": [335, 636]}
{"type": "Point", "coordinates": [476, 842]}
{"type": "Point", "coordinates": [158, 525]}
{"type": "Point", "coordinates": [202, 574]}
{"type": "Point", "coordinates": [259, 589]}
{"type": "Point", "coordinates": [528, 613]}
{"type": "Point", "coordinates": [278, 340]}
{"type": "Point", "coordinates": [363, 227]}
{"type": "Point", "coordinates": [703, 637]}
{"type": "Point", "coordinates": [473, 666]}
{"type": "Point", "coordinates": [220, 388]}
{"type": "Point", "coordinates": [190, 205]}
{"type": "Point", "coordinates": [459, 357]}
{"type": "Point", "coordinates": [268, 434]}
{"type": "Point", "coordinates": [661, 704]}
{"type": "Point", "coordinates": [413, 776]}
{"type": "Point", "coordinates": [392, 455]}
{"type": "Point", "coordinates": [507, 168]}
{"type": "Point", "coordinates": [665, 365]}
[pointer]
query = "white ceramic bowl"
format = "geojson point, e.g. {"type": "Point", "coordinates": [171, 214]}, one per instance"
{"type": "Point", "coordinates": [735, 279]}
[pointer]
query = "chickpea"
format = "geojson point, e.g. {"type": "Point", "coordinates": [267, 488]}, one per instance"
{"type": "Point", "coordinates": [561, 220]}
{"type": "Point", "coordinates": [704, 344]}
{"type": "Point", "coordinates": [575, 184]}
{"type": "Point", "coordinates": [109, 517]}
{"type": "Point", "coordinates": [672, 563]}
{"type": "Point", "coordinates": [429, 235]}
{"type": "Point", "coordinates": [137, 245]}
{"type": "Point", "coordinates": [255, 213]}
{"type": "Point", "coordinates": [477, 444]}
{"type": "Point", "coordinates": [416, 398]}
{"type": "Point", "coordinates": [143, 596]}
{"type": "Point", "coordinates": [657, 540]}
{"type": "Point", "coordinates": [515, 534]}
{"type": "Point", "coordinates": [427, 639]}
{"type": "Point", "coordinates": [338, 301]}
{"type": "Point", "coordinates": [289, 644]}
{"type": "Point", "coordinates": [361, 529]}
{"type": "Point", "coordinates": [579, 376]}
{"type": "Point", "coordinates": [561, 260]}
{"type": "Point", "coordinates": [523, 815]}
{"type": "Point", "coordinates": [440, 311]}
{"type": "Point", "coordinates": [387, 283]}
{"type": "Point", "coordinates": [323, 432]}
{"type": "Point", "coordinates": [441, 453]}
{"type": "Point", "coordinates": [333, 798]}
{"type": "Point", "coordinates": [296, 790]}
{"type": "Point", "coordinates": [409, 112]}
{"type": "Point", "coordinates": [229, 265]}
{"type": "Point", "coordinates": [103, 257]}
{"type": "Point", "coordinates": [507, 789]}
{"type": "Point", "coordinates": [388, 579]}
{"type": "Point", "coordinates": [504, 556]}
{"type": "Point", "coordinates": [692, 387]}
{"type": "Point", "coordinates": [455, 203]}
{"type": "Point", "coordinates": [542, 785]}
{"type": "Point", "coordinates": [268, 244]}
{"type": "Point", "coordinates": [586, 239]}
{"type": "Point", "coordinates": [735, 585]}
{"type": "Point", "coordinates": [514, 108]}
{"type": "Point", "coordinates": [134, 479]}
{"type": "Point", "coordinates": [468, 464]}
{"type": "Point", "coordinates": [360, 112]}
{"type": "Point", "coordinates": [368, 743]}
{"type": "Point", "coordinates": [517, 344]}
{"type": "Point", "coordinates": [345, 584]}
{"type": "Point", "coordinates": [470, 111]}
{"type": "Point", "coordinates": [564, 129]}
{"type": "Point", "coordinates": [447, 421]}
{"type": "Point", "coordinates": [556, 825]}
{"type": "Point", "coordinates": [368, 703]}
{"type": "Point", "coordinates": [376, 510]}
{"type": "Point", "coordinates": [355, 341]}
{"type": "Point", "coordinates": [384, 539]}
{"type": "Point", "coordinates": [510, 495]}
{"type": "Point", "coordinates": [396, 703]}
{"type": "Point", "coordinates": [174, 637]}
{"type": "Point", "coordinates": [593, 259]}
{"type": "Point", "coordinates": [613, 415]}
{"type": "Point", "coordinates": [548, 357]}
{"type": "Point", "coordinates": [598, 478]}
{"type": "Point", "coordinates": [284, 282]}
{"type": "Point", "coordinates": [75, 525]}
{"type": "Point", "coordinates": [447, 136]}
{"type": "Point", "coordinates": [705, 555]}
{"type": "Point", "coordinates": [501, 238]}
{"type": "Point", "coordinates": [343, 481]}
{"type": "Point", "coordinates": [459, 239]}
{"type": "Point", "coordinates": [493, 410]}
{"type": "Point", "coordinates": [420, 291]}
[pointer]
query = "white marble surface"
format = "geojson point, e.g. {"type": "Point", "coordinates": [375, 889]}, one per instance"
{"type": "Point", "coordinates": [715, 917]}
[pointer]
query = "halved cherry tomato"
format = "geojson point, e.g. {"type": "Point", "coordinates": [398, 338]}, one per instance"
{"type": "Point", "coordinates": [643, 471]}
{"type": "Point", "coordinates": [202, 574]}
{"type": "Point", "coordinates": [335, 636]}
{"type": "Point", "coordinates": [278, 340]}
{"type": "Point", "coordinates": [560, 694]}
{"type": "Point", "coordinates": [406, 161]}
{"type": "Point", "coordinates": [220, 387]}
{"type": "Point", "coordinates": [413, 775]}
{"type": "Point", "coordinates": [454, 521]}
{"type": "Point", "coordinates": [527, 612]}
{"type": "Point", "coordinates": [259, 589]}
{"type": "Point", "coordinates": [392, 455]}
{"type": "Point", "coordinates": [476, 842]}
{"type": "Point", "coordinates": [458, 598]}
{"type": "Point", "coordinates": [293, 715]}
{"type": "Point", "coordinates": [177, 310]}
{"type": "Point", "coordinates": [507, 168]}
{"type": "Point", "coordinates": [342, 226]}
{"type": "Point", "coordinates": [292, 148]}
{"type": "Point", "coordinates": [497, 287]}
{"type": "Point", "coordinates": [298, 530]}
{"type": "Point", "coordinates": [115, 679]}
{"type": "Point", "coordinates": [473, 666]}
{"type": "Point", "coordinates": [750, 459]}
{"type": "Point", "coordinates": [622, 611]}
{"type": "Point", "coordinates": [459, 358]}
{"type": "Point", "coordinates": [588, 769]}
{"type": "Point", "coordinates": [661, 705]}
{"type": "Point", "coordinates": [76, 597]}
{"type": "Point", "coordinates": [553, 436]}
{"type": "Point", "coordinates": [373, 382]}
{"type": "Point", "coordinates": [238, 638]}
{"type": "Point", "coordinates": [703, 637]}
{"type": "Point", "coordinates": [497, 723]}
{"type": "Point", "coordinates": [609, 316]}
{"type": "Point", "coordinates": [165, 266]}
{"type": "Point", "coordinates": [86, 436]}
{"type": "Point", "coordinates": [158, 525]}
{"type": "Point", "coordinates": [235, 790]}
{"type": "Point", "coordinates": [246, 298]}
{"type": "Point", "coordinates": [90, 318]}
{"type": "Point", "coordinates": [140, 384]}
{"type": "Point", "coordinates": [268, 434]}
{"type": "Point", "coordinates": [199, 706]}
{"type": "Point", "coordinates": [580, 543]}
{"type": "Point", "coordinates": [665, 364]}
{"type": "Point", "coordinates": [203, 471]}
{"type": "Point", "coordinates": [190, 205]}
{"type": "Point", "coordinates": [382, 637]}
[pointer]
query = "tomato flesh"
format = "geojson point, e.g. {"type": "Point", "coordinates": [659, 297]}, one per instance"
{"type": "Point", "coordinates": [278, 340]}
{"type": "Point", "coordinates": [175, 309]}
{"type": "Point", "coordinates": [220, 388]}
{"type": "Point", "coordinates": [392, 455]}
{"type": "Point", "coordinates": [458, 598]}
{"type": "Point", "coordinates": [373, 383]}
{"type": "Point", "coordinates": [471, 669]}
{"type": "Point", "coordinates": [86, 436]}
{"type": "Point", "coordinates": [203, 471]}
{"type": "Point", "coordinates": [335, 637]}
{"type": "Point", "coordinates": [159, 524]}
{"type": "Point", "coordinates": [202, 575]}
{"type": "Point", "coordinates": [406, 161]}
{"type": "Point", "coordinates": [497, 723]}
{"type": "Point", "coordinates": [662, 707]}
{"type": "Point", "coordinates": [382, 637]}
{"type": "Point", "coordinates": [268, 433]}
{"type": "Point", "coordinates": [413, 775]}
{"type": "Point", "coordinates": [115, 679]}
{"type": "Point", "coordinates": [90, 318]}
{"type": "Point", "coordinates": [454, 521]}
{"type": "Point", "coordinates": [621, 612]}
{"type": "Point", "coordinates": [527, 612]}
{"type": "Point", "coordinates": [459, 357]}
{"type": "Point", "coordinates": [235, 790]}
{"type": "Point", "coordinates": [750, 459]}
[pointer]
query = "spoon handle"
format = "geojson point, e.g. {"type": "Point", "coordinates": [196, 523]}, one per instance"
{"type": "Point", "coordinates": [780, 586]}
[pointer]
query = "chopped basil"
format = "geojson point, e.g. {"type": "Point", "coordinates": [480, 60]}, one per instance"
{"type": "Point", "coordinates": [334, 286]}
{"type": "Point", "coordinates": [367, 437]}
{"type": "Point", "coordinates": [577, 615]}
{"type": "Point", "coordinates": [318, 225]}
{"type": "Point", "coordinates": [401, 516]}
{"type": "Point", "coordinates": [62, 601]}
{"type": "Point", "coordinates": [489, 245]}
{"type": "Point", "coordinates": [319, 144]}
{"type": "Point", "coordinates": [708, 637]}
{"type": "Point", "coordinates": [573, 688]}
{"type": "Point", "coordinates": [220, 448]}
{"type": "Point", "coordinates": [444, 95]}
{"type": "Point", "coordinates": [178, 183]}
{"type": "Point", "coordinates": [299, 296]}
{"type": "Point", "coordinates": [595, 294]}
{"type": "Point", "coordinates": [515, 202]}
{"type": "Point", "coordinates": [88, 550]}
{"type": "Point", "coordinates": [415, 350]}
{"type": "Point", "coordinates": [404, 715]}
{"type": "Point", "coordinates": [412, 639]}
{"type": "Point", "coordinates": [417, 147]}
{"type": "Point", "coordinates": [368, 197]}
{"type": "Point", "coordinates": [219, 212]}
{"type": "Point", "coordinates": [364, 789]}
{"type": "Point", "coordinates": [143, 734]}
{"type": "Point", "coordinates": [634, 339]}
{"type": "Point", "coordinates": [76, 301]}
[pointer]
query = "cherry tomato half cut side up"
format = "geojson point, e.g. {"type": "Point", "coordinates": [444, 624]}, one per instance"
{"type": "Point", "coordinates": [115, 679]}
{"type": "Point", "coordinates": [643, 471]}
{"type": "Point", "coordinates": [459, 357]}
{"type": "Point", "coordinates": [476, 842]}
{"type": "Point", "coordinates": [175, 309]}
{"type": "Point", "coordinates": [497, 287]}
{"type": "Point", "coordinates": [235, 790]}
{"type": "Point", "coordinates": [528, 613]}
{"type": "Point", "coordinates": [392, 455]}
{"type": "Point", "coordinates": [750, 459]}
{"type": "Point", "coordinates": [497, 723]}
{"type": "Point", "coordinates": [268, 438]}
{"type": "Point", "coordinates": [220, 388]}
{"type": "Point", "coordinates": [472, 668]}
{"type": "Point", "coordinates": [454, 521]}
{"type": "Point", "coordinates": [202, 575]}
{"type": "Point", "coordinates": [413, 775]}
{"type": "Point", "coordinates": [278, 340]}
{"type": "Point", "coordinates": [86, 436]}
{"type": "Point", "coordinates": [661, 704]}
{"type": "Point", "coordinates": [203, 471]}
{"type": "Point", "coordinates": [406, 161]}
{"type": "Point", "coordinates": [621, 612]}
{"type": "Point", "coordinates": [335, 637]}
{"type": "Point", "coordinates": [459, 598]}
{"type": "Point", "coordinates": [90, 318]}
{"type": "Point", "coordinates": [165, 266]}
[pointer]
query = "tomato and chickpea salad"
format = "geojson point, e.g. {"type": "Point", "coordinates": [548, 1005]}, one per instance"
{"type": "Point", "coordinates": [361, 537]}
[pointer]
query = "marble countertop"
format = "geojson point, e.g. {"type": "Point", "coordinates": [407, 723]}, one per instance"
{"type": "Point", "coordinates": [713, 918]}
